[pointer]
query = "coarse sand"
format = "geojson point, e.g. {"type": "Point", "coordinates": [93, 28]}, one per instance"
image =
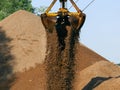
{"type": "Point", "coordinates": [96, 74]}
{"type": "Point", "coordinates": [28, 39]}
{"type": "Point", "coordinates": [31, 60]}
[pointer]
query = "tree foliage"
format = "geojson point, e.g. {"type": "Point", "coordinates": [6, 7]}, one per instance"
{"type": "Point", "coordinates": [7, 7]}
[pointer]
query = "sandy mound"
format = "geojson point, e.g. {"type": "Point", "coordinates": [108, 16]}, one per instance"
{"type": "Point", "coordinates": [85, 57]}
{"type": "Point", "coordinates": [33, 79]}
{"type": "Point", "coordinates": [94, 75]}
{"type": "Point", "coordinates": [24, 43]}
{"type": "Point", "coordinates": [28, 39]}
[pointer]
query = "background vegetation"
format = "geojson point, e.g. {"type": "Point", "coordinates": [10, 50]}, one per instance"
{"type": "Point", "coordinates": [7, 7]}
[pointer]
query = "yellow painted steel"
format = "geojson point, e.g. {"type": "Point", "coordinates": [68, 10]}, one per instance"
{"type": "Point", "coordinates": [63, 11]}
{"type": "Point", "coordinates": [69, 14]}
{"type": "Point", "coordinates": [76, 22]}
{"type": "Point", "coordinates": [51, 5]}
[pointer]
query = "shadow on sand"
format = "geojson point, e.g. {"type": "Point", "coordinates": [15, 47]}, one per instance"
{"type": "Point", "coordinates": [6, 74]}
{"type": "Point", "coordinates": [95, 82]}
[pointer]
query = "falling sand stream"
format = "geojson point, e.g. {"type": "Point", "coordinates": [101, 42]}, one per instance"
{"type": "Point", "coordinates": [60, 56]}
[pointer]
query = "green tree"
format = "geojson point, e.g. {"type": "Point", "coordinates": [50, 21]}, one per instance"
{"type": "Point", "coordinates": [7, 7]}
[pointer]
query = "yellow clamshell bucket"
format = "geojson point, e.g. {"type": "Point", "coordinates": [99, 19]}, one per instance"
{"type": "Point", "coordinates": [63, 16]}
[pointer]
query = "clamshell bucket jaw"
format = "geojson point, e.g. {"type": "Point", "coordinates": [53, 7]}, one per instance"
{"type": "Point", "coordinates": [76, 19]}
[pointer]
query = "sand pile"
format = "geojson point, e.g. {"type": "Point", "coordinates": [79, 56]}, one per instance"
{"type": "Point", "coordinates": [36, 62]}
{"type": "Point", "coordinates": [28, 39]}
{"type": "Point", "coordinates": [91, 77]}
{"type": "Point", "coordinates": [22, 44]}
